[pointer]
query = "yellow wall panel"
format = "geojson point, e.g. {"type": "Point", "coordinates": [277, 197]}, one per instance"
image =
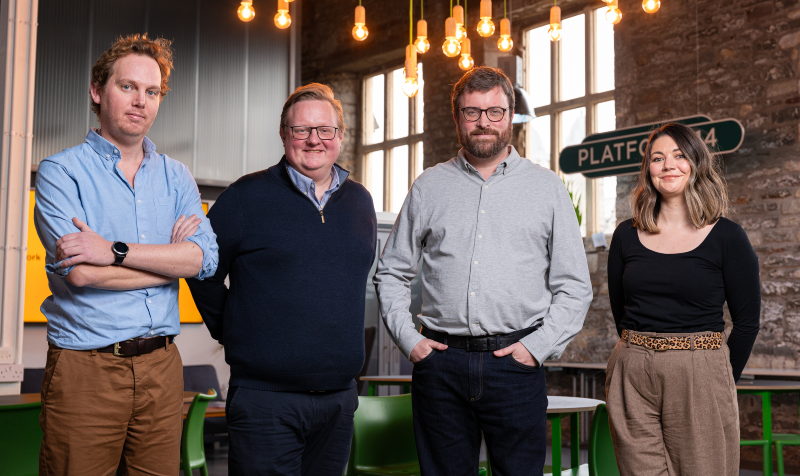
{"type": "Point", "coordinates": [37, 290]}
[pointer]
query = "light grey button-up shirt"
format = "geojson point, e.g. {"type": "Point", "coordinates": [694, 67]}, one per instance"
{"type": "Point", "coordinates": [499, 255]}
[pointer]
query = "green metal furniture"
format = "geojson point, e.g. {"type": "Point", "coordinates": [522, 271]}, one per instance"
{"type": "Point", "coordinates": [602, 460]}
{"type": "Point", "coordinates": [766, 389]}
{"type": "Point", "coordinates": [383, 438]}
{"type": "Point", "coordinates": [375, 381]}
{"type": "Point", "coordinates": [20, 439]}
{"type": "Point", "coordinates": [559, 408]}
{"type": "Point", "coordinates": [193, 455]}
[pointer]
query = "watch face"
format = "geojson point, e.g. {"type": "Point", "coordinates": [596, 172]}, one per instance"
{"type": "Point", "coordinates": [120, 248]}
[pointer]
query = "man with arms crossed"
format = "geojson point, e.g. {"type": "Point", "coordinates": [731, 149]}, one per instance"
{"type": "Point", "coordinates": [106, 212]}
{"type": "Point", "coordinates": [297, 242]}
{"type": "Point", "coordinates": [505, 286]}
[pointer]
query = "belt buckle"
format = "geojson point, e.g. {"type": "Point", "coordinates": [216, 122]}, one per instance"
{"type": "Point", "coordinates": [657, 338]}
{"type": "Point", "coordinates": [476, 345]}
{"type": "Point", "coordinates": [116, 350]}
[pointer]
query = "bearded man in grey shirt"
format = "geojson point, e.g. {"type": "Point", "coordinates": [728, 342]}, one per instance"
{"type": "Point", "coordinates": [505, 286]}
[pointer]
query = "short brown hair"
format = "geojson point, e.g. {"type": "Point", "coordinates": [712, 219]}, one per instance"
{"type": "Point", "coordinates": [314, 92]}
{"type": "Point", "coordinates": [158, 49]}
{"type": "Point", "coordinates": [482, 79]}
{"type": "Point", "coordinates": [706, 192]}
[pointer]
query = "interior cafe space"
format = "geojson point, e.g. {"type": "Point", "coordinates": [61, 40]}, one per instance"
{"type": "Point", "coordinates": [591, 79]}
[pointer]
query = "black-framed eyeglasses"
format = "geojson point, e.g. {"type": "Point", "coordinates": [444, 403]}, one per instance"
{"type": "Point", "coordinates": [473, 114]}
{"type": "Point", "coordinates": [323, 132]}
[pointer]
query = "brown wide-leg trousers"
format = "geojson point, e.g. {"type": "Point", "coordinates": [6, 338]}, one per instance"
{"type": "Point", "coordinates": [674, 412]}
{"type": "Point", "coordinates": [101, 412]}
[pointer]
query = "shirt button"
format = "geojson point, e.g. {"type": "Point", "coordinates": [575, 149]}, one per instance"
{"type": "Point", "coordinates": [472, 294]}
{"type": "Point", "coordinates": [480, 236]}
{"type": "Point", "coordinates": [116, 151]}
{"type": "Point", "coordinates": [474, 325]}
{"type": "Point", "coordinates": [142, 236]}
{"type": "Point", "coordinates": [151, 332]}
{"type": "Point", "coordinates": [485, 186]}
{"type": "Point", "coordinates": [476, 262]}
{"type": "Point", "coordinates": [108, 155]}
{"type": "Point", "coordinates": [483, 211]}
{"type": "Point", "coordinates": [138, 201]}
{"type": "Point", "coordinates": [149, 301]}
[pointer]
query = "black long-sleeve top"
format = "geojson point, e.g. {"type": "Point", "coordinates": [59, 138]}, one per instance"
{"type": "Point", "coordinates": [685, 292]}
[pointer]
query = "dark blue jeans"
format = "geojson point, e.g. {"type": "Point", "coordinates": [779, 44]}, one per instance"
{"type": "Point", "coordinates": [289, 433]}
{"type": "Point", "coordinates": [458, 394]}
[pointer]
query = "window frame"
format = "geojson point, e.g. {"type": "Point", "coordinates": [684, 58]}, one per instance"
{"type": "Point", "coordinates": [386, 145]}
{"type": "Point", "coordinates": [589, 101]}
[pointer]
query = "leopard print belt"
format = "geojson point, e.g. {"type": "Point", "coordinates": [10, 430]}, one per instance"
{"type": "Point", "coordinates": [703, 341]}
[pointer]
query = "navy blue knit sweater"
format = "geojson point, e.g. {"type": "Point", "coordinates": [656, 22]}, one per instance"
{"type": "Point", "coordinates": [293, 318]}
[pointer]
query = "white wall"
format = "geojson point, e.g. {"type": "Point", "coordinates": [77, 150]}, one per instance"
{"type": "Point", "coordinates": [195, 344]}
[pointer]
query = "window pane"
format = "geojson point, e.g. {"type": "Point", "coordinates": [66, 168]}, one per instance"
{"type": "Point", "coordinates": [573, 58]}
{"type": "Point", "coordinates": [399, 177]}
{"type": "Point", "coordinates": [420, 104]}
{"type": "Point", "coordinates": [399, 109]}
{"type": "Point", "coordinates": [373, 110]}
{"type": "Point", "coordinates": [538, 70]}
{"type": "Point", "coordinates": [606, 117]}
{"type": "Point", "coordinates": [573, 130]}
{"type": "Point", "coordinates": [420, 159]}
{"type": "Point", "coordinates": [605, 52]}
{"type": "Point", "coordinates": [609, 204]}
{"type": "Point", "coordinates": [538, 147]}
{"type": "Point", "coordinates": [374, 176]}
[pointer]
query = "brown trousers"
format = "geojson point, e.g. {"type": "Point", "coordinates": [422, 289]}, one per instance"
{"type": "Point", "coordinates": [101, 412]}
{"type": "Point", "coordinates": [674, 412]}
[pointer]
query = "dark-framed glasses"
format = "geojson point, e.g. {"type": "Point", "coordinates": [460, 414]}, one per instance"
{"type": "Point", "coordinates": [323, 132]}
{"type": "Point", "coordinates": [473, 114]}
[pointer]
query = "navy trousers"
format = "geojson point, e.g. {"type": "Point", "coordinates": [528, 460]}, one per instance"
{"type": "Point", "coordinates": [457, 395]}
{"type": "Point", "coordinates": [289, 433]}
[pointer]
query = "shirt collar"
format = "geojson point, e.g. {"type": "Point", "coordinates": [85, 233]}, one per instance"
{"type": "Point", "coordinates": [109, 151]}
{"type": "Point", "coordinates": [304, 183]}
{"type": "Point", "coordinates": [503, 167]}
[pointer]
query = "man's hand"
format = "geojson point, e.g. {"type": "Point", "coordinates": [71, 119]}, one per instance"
{"type": "Point", "coordinates": [425, 347]}
{"type": "Point", "coordinates": [520, 354]}
{"type": "Point", "coordinates": [84, 247]}
{"type": "Point", "coordinates": [184, 228]}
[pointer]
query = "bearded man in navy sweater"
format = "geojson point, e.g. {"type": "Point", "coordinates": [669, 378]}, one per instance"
{"type": "Point", "coordinates": [297, 241]}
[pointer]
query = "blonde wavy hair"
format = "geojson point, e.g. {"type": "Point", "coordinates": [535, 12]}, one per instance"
{"type": "Point", "coordinates": [706, 192]}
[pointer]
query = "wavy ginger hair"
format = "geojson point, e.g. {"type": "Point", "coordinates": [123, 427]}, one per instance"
{"type": "Point", "coordinates": [706, 192]}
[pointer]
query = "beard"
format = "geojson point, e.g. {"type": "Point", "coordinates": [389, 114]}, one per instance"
{"type": "Point", "coordinates": [485, 148]}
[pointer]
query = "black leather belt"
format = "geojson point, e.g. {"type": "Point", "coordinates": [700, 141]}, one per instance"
{"type": "Point", "coordinates": [478, 343]}
{"type": "Point", "coordinates": [137, 346]}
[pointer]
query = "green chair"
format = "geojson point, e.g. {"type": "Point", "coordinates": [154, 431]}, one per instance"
{"type": "Point", "coordinates": [193, 455]}
{"type": "Point", "coordinates": [767, 437]}
{"type": "Point", "coordinates": [19, 449]}
{"type": "Point", "coordinates": [383, 438]}
{"type": "Point", "coordinates": [781, 440]}
{"type": "Point", "coordinates": [602, 460]}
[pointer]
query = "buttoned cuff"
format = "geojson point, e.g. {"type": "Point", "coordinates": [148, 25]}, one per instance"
{"type": "Point", "coordinates": [536, 345]}
{"type": "Point", "coordinates": [55, 268]}
{"type": "Point", "coordinates": [408, 341]}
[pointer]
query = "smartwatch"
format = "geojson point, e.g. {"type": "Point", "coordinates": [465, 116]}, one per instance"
{"type": "Point", "coordinates": [120, 250]}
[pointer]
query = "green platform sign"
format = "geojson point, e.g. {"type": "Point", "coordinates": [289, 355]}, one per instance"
{"type": "Point", "coordinates": [620, 152]}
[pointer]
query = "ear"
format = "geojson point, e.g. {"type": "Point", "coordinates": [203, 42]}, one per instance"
{"type": "Point", "coordinates": [281, 132]}
{"type": "Point", "coordinates": [96, 92]}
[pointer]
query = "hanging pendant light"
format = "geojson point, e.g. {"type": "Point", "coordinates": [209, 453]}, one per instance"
{"type": "Point", "coordinates": [422, 44]}
{"type": "Point", "coordinates": [466, 62]}
{"type": "Point", "coordinates": [651, 6]}
{"type": "Point", "coordinates": [410, 85]}
{"type": "Point", "coordinates": [458, 14]}
{"type": "Point", "coordinates": [360, 31]}
{"type": "Point", "coordinates": [282, 18]}
{"type": "Point", "coordinates": [246, 11]}
{"type": "Point", "coordinates": [505, 43]}
{"type": "Point", "coordinates": [486, 26]}
{"type": "Point", "coordinates": [613, 15]}
{"type": "Point", "coordinates": [451, 46]}
{"type": "Point", "coordinates": [555, 23]}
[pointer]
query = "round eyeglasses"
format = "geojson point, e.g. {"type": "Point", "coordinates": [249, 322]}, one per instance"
{"type": "Point", "coordinates": [323, 132]}
{"type": "Point", "coordinates": [473, 114]}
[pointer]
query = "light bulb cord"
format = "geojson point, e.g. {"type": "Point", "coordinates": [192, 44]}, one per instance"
{"type": "Point", "coordinates": [359, 3]}
{"type": "Point", "coordinates": [410, 22]}
{"type": "Point", "coordinates": [505, 10]}
{"type": "Point", "coordinates": [421, 10]}
{"type": "Point", "coordinates": [451, 7]}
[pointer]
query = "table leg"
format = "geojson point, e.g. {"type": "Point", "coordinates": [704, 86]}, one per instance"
{"type": "Point", "coordinates": [406, 388]}
{"type": "Point", "coordinates": [555, 428]}
{"type": "Point", "coordinates": [371, 389]}
{"type": "Point", "coordinates": [575, 440]}
{"type": "Point", "coordinates": [766, 415]}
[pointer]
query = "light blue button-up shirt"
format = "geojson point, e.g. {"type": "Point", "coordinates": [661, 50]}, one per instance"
{"type": "Point", "coordinates": [85, 182]}
{"type": "Point", "coordinates": [308, 188]}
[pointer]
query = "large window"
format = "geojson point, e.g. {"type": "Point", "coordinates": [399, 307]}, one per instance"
{"type": "Point", "coordinates": [392, 142]}
{"type": "Point", "coordinates": [571, 84]}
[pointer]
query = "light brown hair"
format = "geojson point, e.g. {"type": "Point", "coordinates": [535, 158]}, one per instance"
{"type": "Point", "coordinates": [482, 79]}
{"type": "Point", "coordinates": [706, 192]}
{"type": "Point", "coordinates": [314, 92]}
{"type": "Point", "coordinates": [158, 49]}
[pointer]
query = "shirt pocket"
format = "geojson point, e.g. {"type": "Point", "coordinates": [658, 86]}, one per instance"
{"type": "Point", "coordinates": [165, 215]}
